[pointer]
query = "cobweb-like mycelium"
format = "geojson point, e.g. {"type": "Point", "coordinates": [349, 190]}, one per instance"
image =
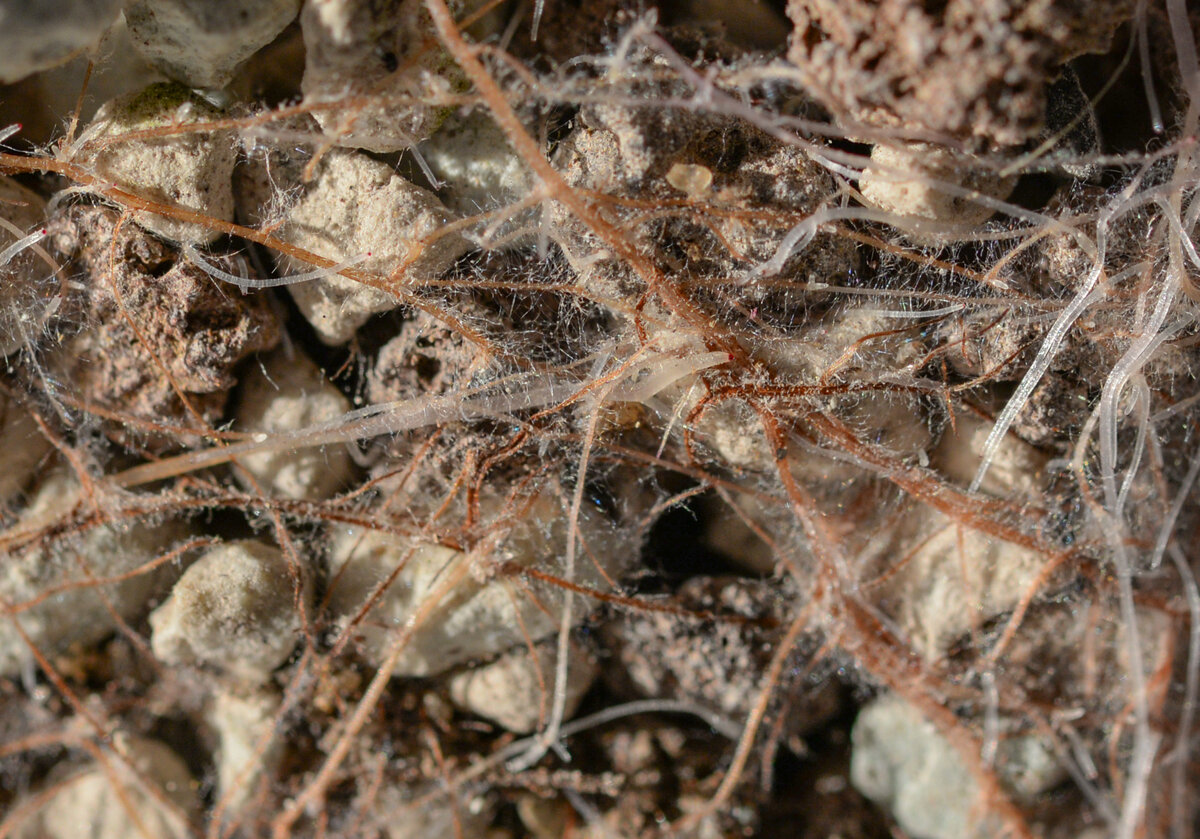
{"type": "Point", "coordinates": [948, 435]}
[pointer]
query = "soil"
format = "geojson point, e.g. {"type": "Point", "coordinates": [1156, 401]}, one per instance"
{"type": "Point", "coordinates": [650, 414]}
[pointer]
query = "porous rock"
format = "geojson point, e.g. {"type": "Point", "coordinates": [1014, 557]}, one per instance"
{"type": "Point", "coordinates": [923, 182]}
{"type": "Point", "coordinates": [478, 168]}
{"type": "Point", "coordinates": [152, 795]}
{"type": "Point", "coordinates": [517, 689]}
{"type": "Point", "coordinates": [59, 573]}
{"type": "Point", "coordinates": [234, 609]}
{"type": "Point", "coordinates": [287, 393]}
{"type": "Point", "coordinates": [900, 760]}
{"type": "Point", "coordinates": [40, 35]}
{"type": "Point", "coordinates": [359, 208]}
{"type": "Point", "coordinates": [158, 329]}
{"type": "Point", "coordinates": [966, 68]}
{"type": "Point", "coordinates": [189, 169]}
{"type": "Point", "coordinates": [202, 42]}
{"type": "Point", "coordinates": [482, 613]}
{"type": "Point", "coordinates": [946, 579]}
{"type": "Point", "coordinates": [241, 719]}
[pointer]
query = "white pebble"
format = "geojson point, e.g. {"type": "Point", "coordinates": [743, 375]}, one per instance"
{"type": "Point", "coordinates": [288, 394]}
{"type": "Point", "coordinates": [517, 689]}
{"type": "Point", "coordinates": [480, 171]}
{"type": "Point", "coordinates": [911, 180]}
{"type": "Point", "coordinates": [900, 760]}
{"type": "Point", "coordinates": [240, 722]}
{"type": "Point", "coordinates": [202, 42]}
{"type": "Point", "coordinates": [193, 170]}
{"type": "Point", "coordinates": [152, 796]}
{"type": "Point", "coordinates": [484, 614]}
{"type": "Point", "coordinates": [82, 612]}
{"type": "Point", "coordinates": [234, 609]}
{"type": "Point", "coordinates": [357, 207]}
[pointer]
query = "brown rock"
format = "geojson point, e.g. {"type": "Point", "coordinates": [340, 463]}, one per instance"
{"type": "Point", "coordinates": [158, 331]}
{"type": "Point", "coordinates": [970, 69]}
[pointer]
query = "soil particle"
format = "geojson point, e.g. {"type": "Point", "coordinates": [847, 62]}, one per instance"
{"type": "Point", "coordinates": [163, 338]}
{"type": "Point", "coordinates": [715, 654]}
{"type": "Point", "coordinates": [55, 555]}
{"type": "Point", "coordinates": [190, 170]}
{"type": "Point", "coordinates": [967, 69]}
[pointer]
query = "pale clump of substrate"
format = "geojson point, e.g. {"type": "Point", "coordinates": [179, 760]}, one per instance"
{"type": "Point", "coordinates": [580, 443]}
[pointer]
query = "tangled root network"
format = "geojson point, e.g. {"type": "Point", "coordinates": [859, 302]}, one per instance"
{"type": "Point", "coordinates": [483, 418]}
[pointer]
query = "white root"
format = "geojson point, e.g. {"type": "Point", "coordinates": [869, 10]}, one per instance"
{"type": "Point", "coordinates": [498, 398]}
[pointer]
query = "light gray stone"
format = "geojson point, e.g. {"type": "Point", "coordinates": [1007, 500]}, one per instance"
{"type": "Point", "coordinates": [233, 609]}
{"type": "Point", "coordinates": [358, 208]}
{"type": "Point", "coordinates": [39, 34]}
{"type": "Point", "coordinates": [58, 576]}
{"type": "Point", "coordinates": [517, 689]}
{"type": "Point", "coordinates": [202, 42]}
{"type": "Point", "coordinates": [900, 760]}
{"type": "Point", "coordinates": [193, 170]}
{"type": "Point", "coordinates": [288, 393]}
{"type": "Point", "coordinates": [152, 795]}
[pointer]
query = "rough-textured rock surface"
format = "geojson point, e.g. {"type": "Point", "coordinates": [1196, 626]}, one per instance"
{"type": "Point", "coordinates": [235, 609]}
{"type": "Point", "coordinates": [192, 170]}
{"type": "Point", "coordinates": [158, 330]}
{"type": "Point", "coordinates": [483, 613]}
{"type": "Point", "coordinates": [35, 36]}
{"type": "Point", "coordinates": [949, 580]}
{"type": "Point", "coordinates": [900, 760]}
{"type": "Point", "coordinates": [241, 720]}
{"type": "Point", "coordinates": [51, 577]}
{"type": "Point", "coordinates": [151, 793]}
{"type": "Point", "coordinates": [202, 42]}
{"type": "Point", "coordinates": [962, 68]}
{"type": "Point", "coordinates": [357, 207]}
{"type": "Point", "coordinates": [479, 170]}
{"type": "Point", "coordinates": [517, 689]}
{"type": "Point", "coordinates": [287, 393]}
{"type": "Point", "coordinates": [925, 183]}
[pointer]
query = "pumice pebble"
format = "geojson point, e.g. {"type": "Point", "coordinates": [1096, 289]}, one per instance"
{"type": "Point", "coordinates": [149, 794]}
{"type": "Point", "coordinates": [241, 719]}
{"type": "Point", "coordinates": [901, 761]}
{"type": "Point", "coordinates": [202, 42]}
{"type": "Point", "coordinates": [288, 394]}
{"type": "Point", "coordinates": [918, 181]}
{"type": "Point", "coordinates": [478, 168]}
{"type": "Point", "coordinates": [234, 609]}
{"type": "Point", "coordinates": [192, 170]}
{"type": "Point", "coordinates": [357, 208]}
{"type": "Point", "coordinates": [58, 574]}
{"type": "Point", "coordinates": [483, 613]}
{"type": "Point", "coordinates": [517, 689]}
